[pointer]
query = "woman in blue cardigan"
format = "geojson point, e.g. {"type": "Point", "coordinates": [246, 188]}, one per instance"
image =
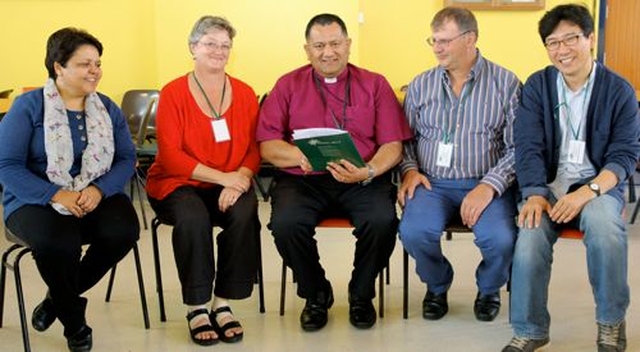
{"type": "Point", "coordinates": [66, 156]}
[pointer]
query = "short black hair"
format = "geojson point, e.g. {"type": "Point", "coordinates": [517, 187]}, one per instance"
{"type": "Point", "coordinates": [63, 43]}
{"type": "Point", "coordinates": [325, 19]}
{"type": "Point", "coordinates": [574, 13]}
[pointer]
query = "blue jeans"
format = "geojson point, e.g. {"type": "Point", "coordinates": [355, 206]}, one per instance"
{"type": "Point", "coordinates": [425, 217]}
{"type": "Point", "coordinates": [605, 238]}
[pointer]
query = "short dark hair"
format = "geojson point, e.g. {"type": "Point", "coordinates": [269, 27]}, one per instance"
{"type": "Point", "coordinates": [574, 13]}
{"type": "Point", "coordinates": [63, 43]}
{"type": "Point", "coordinates": [464, 18]}
{"type": "Point", "coordinates": [325, 19]}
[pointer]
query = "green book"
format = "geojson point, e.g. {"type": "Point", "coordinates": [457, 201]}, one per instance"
{"type": "Point", "coordinates": [323, 145]}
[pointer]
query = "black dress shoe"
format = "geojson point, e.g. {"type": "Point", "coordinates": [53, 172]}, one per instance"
{"type": "Point", "coordinates": [487, 307]}
{"type": "Point", "coordinates": [315, 314]}
{"type": "Point", "coordinates": [43, 315]}
{"type": "Point", "coordinates": [362, 314]}
{"type": "Point", "coordinates": [81, 341]}
{"type": "Point", "coordinates": [434, 306]}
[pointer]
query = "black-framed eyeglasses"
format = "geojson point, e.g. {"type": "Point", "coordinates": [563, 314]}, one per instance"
{"type": "Point", "coordinates": [444, 42]}
{"type": "Point", "coordinates": [568, 41]}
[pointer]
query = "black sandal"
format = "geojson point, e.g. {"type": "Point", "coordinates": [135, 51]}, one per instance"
{"type": "Point", "coordinates": [199, 329]}
{"type": "Point", "coordinates": [221, 330]}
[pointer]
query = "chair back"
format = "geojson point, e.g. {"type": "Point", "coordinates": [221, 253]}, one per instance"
{"type": "Point", "coordinates": [139, 107]}
{"type": "Point", "coordinates": [6, 93]}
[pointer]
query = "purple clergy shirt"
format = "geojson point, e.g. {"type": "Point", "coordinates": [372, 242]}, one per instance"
{"type": "Point", "coordinates": [370, 112]}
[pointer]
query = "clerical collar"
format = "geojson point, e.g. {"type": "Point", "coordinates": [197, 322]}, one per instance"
{"type": "Point", "coordinates": [332, 80]}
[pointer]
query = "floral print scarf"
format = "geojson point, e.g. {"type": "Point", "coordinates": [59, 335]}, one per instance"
{"type": "Point", "coordinates": [97, 157]}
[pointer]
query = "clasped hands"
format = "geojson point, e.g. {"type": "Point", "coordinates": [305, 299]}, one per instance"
{"type": "Point", "coordinates": [79, 203]}
{"type": "Point", "coordinates": [235, 184]}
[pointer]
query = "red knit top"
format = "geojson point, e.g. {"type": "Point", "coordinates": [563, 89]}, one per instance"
{"type": "Point", "coordinates": [185, 137]}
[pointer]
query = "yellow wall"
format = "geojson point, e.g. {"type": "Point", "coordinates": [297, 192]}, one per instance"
{"type": "Point", "coordinates": [393, 38]}
{"type": "Point", "coordinates": [146, 40]}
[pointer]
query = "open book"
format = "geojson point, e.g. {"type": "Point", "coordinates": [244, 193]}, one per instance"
{"type": "Point", "coordinates": [323, 145]}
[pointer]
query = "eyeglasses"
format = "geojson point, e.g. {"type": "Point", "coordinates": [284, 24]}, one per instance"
{"type": "Point", "coordinates": [568, 41]}
{"type": "Point", "coordinates": [444, 42]}
{"type": "Point", "coordinates": [334, 45]}
{"type": "Point", "coordinates": [215, 46]}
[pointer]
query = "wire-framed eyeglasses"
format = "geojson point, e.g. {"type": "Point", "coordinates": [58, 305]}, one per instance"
{"type": "Point", "coordinates": [444, 42]}
{"type": "Point", "coordinates": [215, 46]}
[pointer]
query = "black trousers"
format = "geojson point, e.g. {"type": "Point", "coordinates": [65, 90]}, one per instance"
{"type": "Point", "coordinates": [56, 242]}
{"type": "Point", "coordinates": [299, 203]}
{"type": "Point", "coordinates": [193, 212]}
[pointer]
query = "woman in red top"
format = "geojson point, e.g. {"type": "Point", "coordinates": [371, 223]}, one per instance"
{"type": "Point", "coordinates": [207, 155]}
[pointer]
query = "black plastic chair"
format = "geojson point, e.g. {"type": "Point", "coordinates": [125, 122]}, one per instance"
{"type": "Point", "coordinates": [139, 106]}
{"type": "Point", "coordinates": [19, 249]}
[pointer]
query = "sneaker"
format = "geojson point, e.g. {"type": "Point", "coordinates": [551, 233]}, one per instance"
{"type": "Point", "coordinates": [612, 338]}
{"type": "Point", "coordinates": [523, 344]}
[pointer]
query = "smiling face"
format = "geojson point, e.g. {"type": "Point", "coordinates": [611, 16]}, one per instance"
{"type": "Point", "coordinates": [328, 49]}
{"type": "Point", "coordinates": [572, 57]}
{"type": "Point", "coordinates": [211, 52]}
{"type": "Point", "coordinates": [82, 73]}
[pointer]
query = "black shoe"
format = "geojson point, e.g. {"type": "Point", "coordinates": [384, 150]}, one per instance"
{"type": "Point", "coordinates": [81, 341]}
{"type": "Point", "coordinates": [315, 313]}
{"type": "Point", "coordinates": [362, 314]}
{"type": "Point", "coordinates": [434, 306]}
{"type": "Point", "coordinates": [43, 315]}
{"type": "Point", "coordinates": [487, 307]}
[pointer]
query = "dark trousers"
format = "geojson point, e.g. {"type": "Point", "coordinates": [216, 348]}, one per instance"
{"type": "Point", "coordinates": [299, 203]}
{"type": "Point", "coordinates": [193, 212]}
{"type": "Point", "coordinates": [56, 242]}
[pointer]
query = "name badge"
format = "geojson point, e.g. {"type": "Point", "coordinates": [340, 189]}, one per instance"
{"type": "Point", "coordinates": [220, 130]}
{"type": "Point", "coordinates": [445, 154]}
{"type": "Point", "coordinates": [576, 152]}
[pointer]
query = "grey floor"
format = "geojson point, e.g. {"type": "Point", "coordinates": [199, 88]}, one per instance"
{"type": "Point", "coordinates": [118, 325]}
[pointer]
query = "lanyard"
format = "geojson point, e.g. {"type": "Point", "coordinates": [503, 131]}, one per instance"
{"type": "Point", "coordinates": [224, 89]}
{"type": "Point", "coordinates": [449, 130]}
{"type": "Point", "coordinates": [575, 131]}
{"type": "Point", "coordinates": [345, 101]}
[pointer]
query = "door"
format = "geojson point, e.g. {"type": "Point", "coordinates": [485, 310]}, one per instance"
{"type": "Point", "coordinates": [621, 42]}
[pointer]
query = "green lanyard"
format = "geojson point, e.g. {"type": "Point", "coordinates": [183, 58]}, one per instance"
{"type": "Point", "coordinates": [448, 131]}
{"type": "Point", "coordinates": [575, 131]}
{"type": "Point", "coordinates": [224, 89]}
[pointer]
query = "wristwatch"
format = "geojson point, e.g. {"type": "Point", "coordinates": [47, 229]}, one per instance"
{"type": "Point", "coordinates": [371, 173]}
{"type": "Point", "coordinates": [595, 188]}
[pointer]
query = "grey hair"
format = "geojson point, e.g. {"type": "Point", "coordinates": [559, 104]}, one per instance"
{"type": "Point", "coordinates": [205, 23]}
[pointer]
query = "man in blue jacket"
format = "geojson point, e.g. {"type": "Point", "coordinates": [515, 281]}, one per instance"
{"type": "Point", "coordinates": [576, 137]}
